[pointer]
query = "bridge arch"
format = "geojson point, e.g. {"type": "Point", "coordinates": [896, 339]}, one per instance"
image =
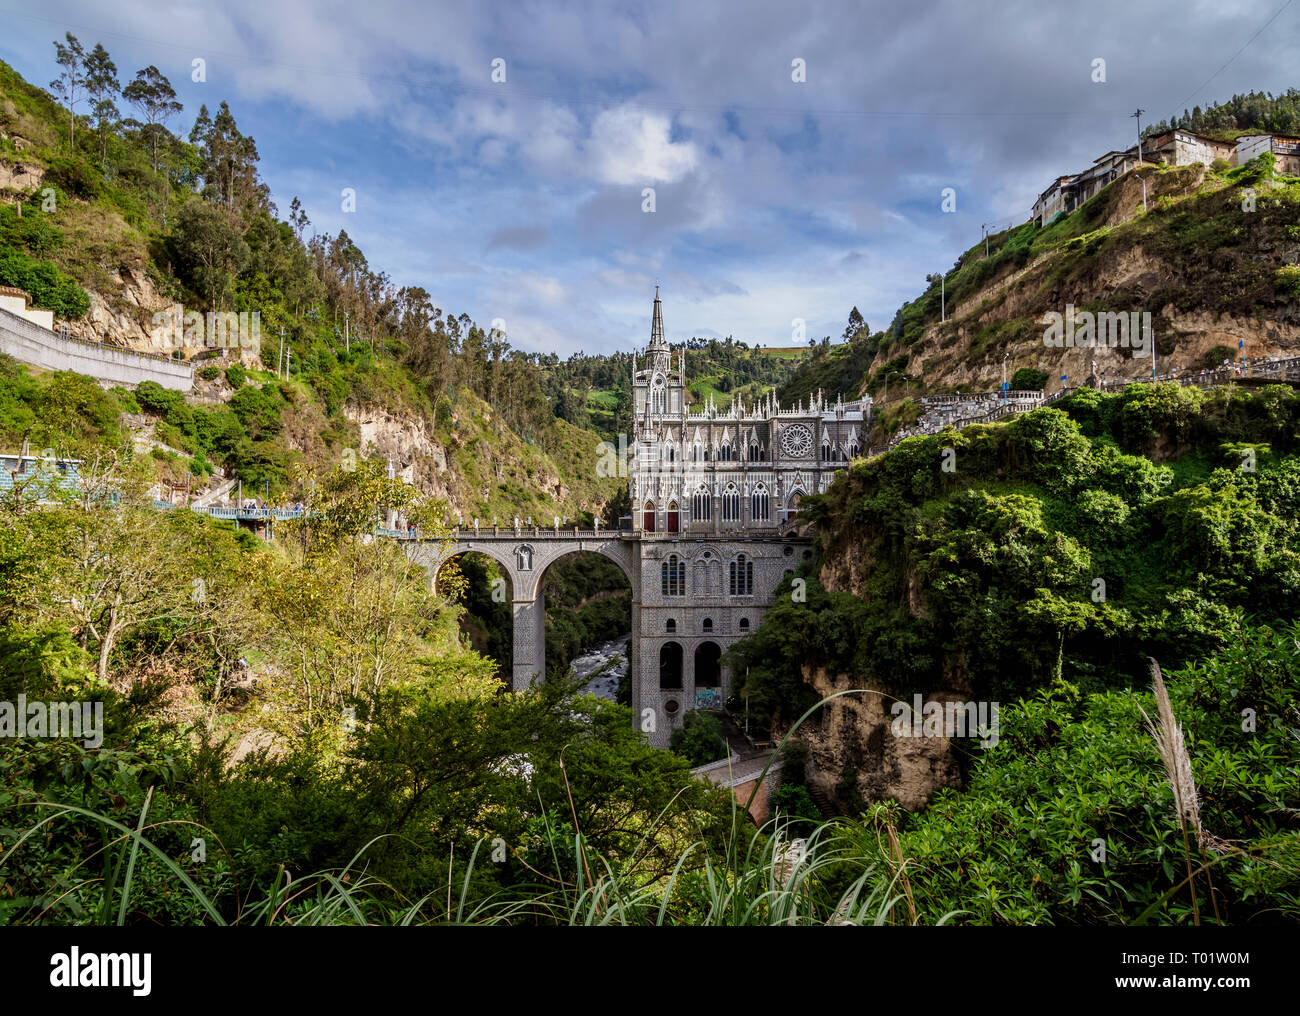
{"type": "Point", "coordinates": [525, 555]}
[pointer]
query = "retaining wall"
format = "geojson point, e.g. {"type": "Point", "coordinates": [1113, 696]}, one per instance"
{"type": "Point", "coordinates": [40, 347]}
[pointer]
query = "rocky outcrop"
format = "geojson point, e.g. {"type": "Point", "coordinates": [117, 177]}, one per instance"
{"type": "Point", "coordinates": [855, 756]}
{"type": "Point", "coordinates": [408, 443]}
{"type": "Point", "coordinates": [20, 177]}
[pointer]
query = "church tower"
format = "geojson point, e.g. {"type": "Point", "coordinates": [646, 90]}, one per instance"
{"type": "Point", "coordinates": [658, 391]}
{"type": "Point", "coordinates": [658, 351]}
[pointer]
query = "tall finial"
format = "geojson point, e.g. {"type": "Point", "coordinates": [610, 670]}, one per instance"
{"type": "Point", "coordinates": [657, 324]}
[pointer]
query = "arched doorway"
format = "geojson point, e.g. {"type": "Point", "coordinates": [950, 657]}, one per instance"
{"type": "Point", "coordinates": [672, 516]}
{"type": "Point", "coordinates": [708, 676]}
{"type": "Point", "coordinates": [708, 669]}
{"type": "Point", "coordinates": [792, 505]}
{"type": "Point", "coordinates": [648, 517]}
{"type": "Point", "coordinates": [670, 665]}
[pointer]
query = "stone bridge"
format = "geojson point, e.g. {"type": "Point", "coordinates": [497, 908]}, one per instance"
{"type": "Point", "coordinates": [693, 595]}
{"type": "Point", "coordinates": [524, 555]}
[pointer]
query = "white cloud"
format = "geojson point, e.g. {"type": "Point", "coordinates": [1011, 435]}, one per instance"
{"type": "Point", "coordinates": [630, 146]}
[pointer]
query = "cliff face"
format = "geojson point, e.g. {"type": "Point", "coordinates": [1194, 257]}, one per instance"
{"type": "Point", "coordinates": [854, 755]}
{"type": "Point", "coordinates": [481, 467]}
{"type": "Point", "coordinates": [1208, 260]}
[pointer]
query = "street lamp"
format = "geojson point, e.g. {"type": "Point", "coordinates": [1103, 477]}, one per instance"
{"type": "Point", "coordinates": [1004, 377]}
{"type": "Point", "coordinates": [943, 306]}
{"type": "Point", "coordinates": [1144, 190]}
{"type": "Point", "coordinates": [888, 375]}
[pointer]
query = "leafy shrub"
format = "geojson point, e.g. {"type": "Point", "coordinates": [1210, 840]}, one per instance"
{"type": "Point", "coordinates": [75, 177]}
{"type": "Point", "coordinates": [699, 738]}
{"type": "Point", "coordinates": [1029, 379]}
{"type": "Point", "coordinates": [48, 287]}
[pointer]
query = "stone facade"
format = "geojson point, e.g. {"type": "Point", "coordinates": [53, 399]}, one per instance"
{"type": "Point", "coordinates": [733, 471]}
{"type": "Point", "coordinates": [714, 531]}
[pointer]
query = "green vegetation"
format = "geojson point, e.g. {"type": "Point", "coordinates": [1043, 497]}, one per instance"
{"type": "Point", "coordinates": [1028, 379]}
{"type": "Point", "coordinates": [1251, 112]}
{"type": "Point", "coordinates": [150, 612]}
{"type": "Point", "coordinates": [1074, 541]}
{"type": "Point", "coordinates": [337, 338]}
{"type": "Point", "coordinates": [699, 738]}
{"type": "Point", "coordinates": [1014, 849]}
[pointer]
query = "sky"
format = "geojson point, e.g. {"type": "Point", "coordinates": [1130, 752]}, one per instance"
{"type": "Point", "coordinates": [775, 200]}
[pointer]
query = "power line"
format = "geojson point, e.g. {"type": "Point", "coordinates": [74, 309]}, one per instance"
{"type": "Point", "coordinates": [1238, 53]}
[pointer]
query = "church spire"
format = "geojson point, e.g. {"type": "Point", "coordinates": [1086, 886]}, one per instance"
{"type": "Point", "coordinates": [657, 325]}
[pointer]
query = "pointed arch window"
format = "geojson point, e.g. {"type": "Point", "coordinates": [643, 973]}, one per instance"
{"type": "Point", "coordinates": [731, 504]}
{"type": "Point", "coordinates": [672, 576]}
{"type": "Point", "coordinates": [741, 576]}
{"type": "Point", "coordinates": [701, 505]}
{"type": "Point", "coordinates": [760, 504]}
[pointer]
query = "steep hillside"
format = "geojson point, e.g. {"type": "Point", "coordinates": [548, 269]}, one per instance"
{"type": "Point", "coordinates": [1211, 268]}
{"type": "Point", "coordinates": [133, 220]}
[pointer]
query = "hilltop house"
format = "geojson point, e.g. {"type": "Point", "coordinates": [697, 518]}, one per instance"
{"type": "Point", "coordinates": [1068, 192]}
{"type": "Point", "coordinates": [1177, 147]}
{"type": "Point", "coordinates": [1183, 148]}
{"type": "Point", "coordinates": [1285, 150]}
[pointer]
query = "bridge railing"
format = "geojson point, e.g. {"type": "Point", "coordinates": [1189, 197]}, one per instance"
{"type": "Point", "coordinates": [251, 514]}
{"type": "Point", "coordinates": [538, 532]}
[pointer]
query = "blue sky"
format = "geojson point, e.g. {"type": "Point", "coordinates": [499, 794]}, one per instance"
{"type": "Point", "coordinates": [775, 200]}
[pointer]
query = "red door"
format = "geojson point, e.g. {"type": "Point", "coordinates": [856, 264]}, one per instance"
{"type": "Point", "coordinates": [649, 519]}
{"type": "Point", "coordinates": [672, 516]}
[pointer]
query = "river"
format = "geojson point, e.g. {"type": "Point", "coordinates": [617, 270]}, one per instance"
{"type": "Point", "coordinates": [605, 665]}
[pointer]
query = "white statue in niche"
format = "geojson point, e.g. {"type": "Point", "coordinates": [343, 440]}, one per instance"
{"type": "Point", "coordinates": [524, 557]}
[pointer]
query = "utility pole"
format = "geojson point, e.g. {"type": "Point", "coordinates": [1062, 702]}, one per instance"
{"type": "Point", "coordinates": [347, 335]}
{"type": "Point", "coordinates": [280, 356]}
{"type": "Point", "coordinates": [1004, 378]}
{"type": "Point", "coordinates": [943, 299]}
{"type": "Point", "coordinates": [984, 228]}
{"type": "Point", "coordinates": [1138, 115]}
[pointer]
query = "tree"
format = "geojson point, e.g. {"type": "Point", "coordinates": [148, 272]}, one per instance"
{"type": "Point", "coordinates": [208, 250]}
{"type": "Point", "coordinates": [229, 161]}
{"type": "Point", "coordinates": [202, 126]}
{"type": "Point", "coordinates": [102, 84]}
{"type": "Point", "coordinates": [72, 58]}
{"type": "Point", "coordinates": [856, 326]}
{"type": "Point", "coordinates": [699, 738]}
{"type": "Point", "coordinates": [345, 614]}
{"type": "Point", "coordinates": [298, 217]}
{"type": "Point", "coordinates": [119, 567]}
{"type": "Point", "coordinates": [152, 94]}
{"type": "Point", "coordinates": [1028, 379]}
